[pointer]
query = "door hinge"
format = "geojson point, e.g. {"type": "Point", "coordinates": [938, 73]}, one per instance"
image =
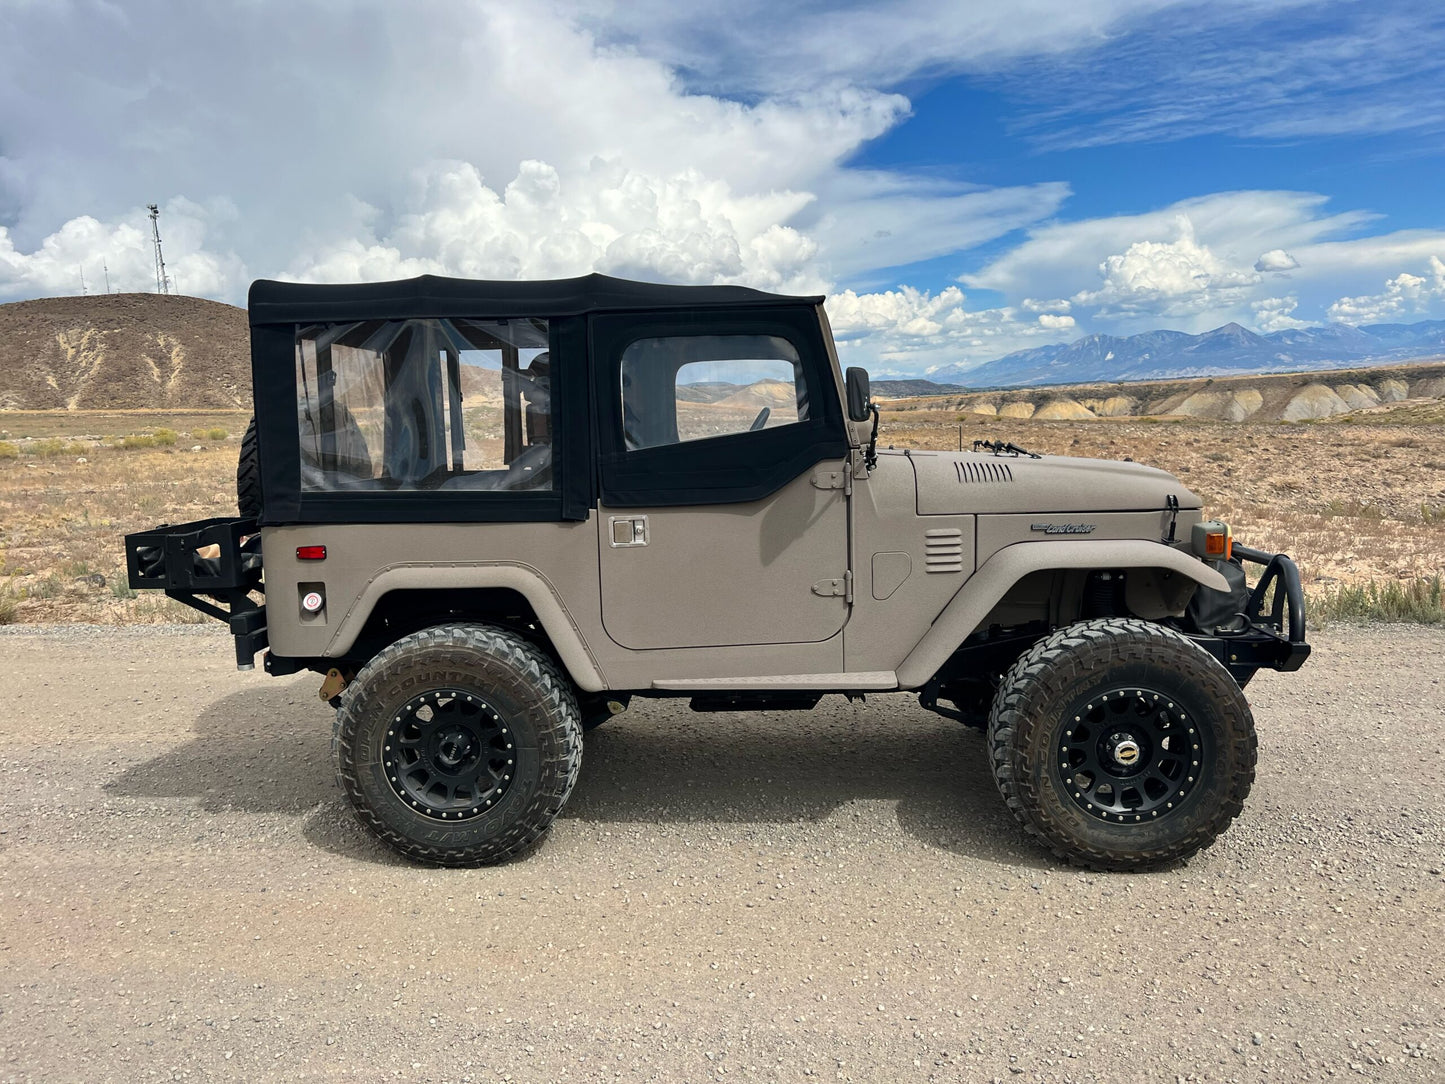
{"type": "Point", "coordinates": [842, 587]}
{"type": "Point", "coordinates": [834, 479]}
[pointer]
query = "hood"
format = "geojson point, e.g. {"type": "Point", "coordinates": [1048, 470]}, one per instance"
{"type": "Point", "coordinates": [958, 483]}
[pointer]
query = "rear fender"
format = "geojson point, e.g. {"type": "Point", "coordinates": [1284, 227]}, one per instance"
{"type": "Point", "coordinates": [561, 630]}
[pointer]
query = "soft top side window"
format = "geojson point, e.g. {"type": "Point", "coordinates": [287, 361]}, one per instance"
{"type": "Point", "coordinates": [425, 405]}
{"type": "Point", "coordinates": [680, 388]}
{"type": "Point", "coordinates": [711, 406]}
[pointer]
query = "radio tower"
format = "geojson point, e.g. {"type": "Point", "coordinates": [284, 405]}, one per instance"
{"type": "Point", "coordinates": [163, 284]}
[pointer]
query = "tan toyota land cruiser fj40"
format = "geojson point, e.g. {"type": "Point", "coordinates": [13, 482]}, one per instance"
{"type": "Point", "coordinates": [493, 512]}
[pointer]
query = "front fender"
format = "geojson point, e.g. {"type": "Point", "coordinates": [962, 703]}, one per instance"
{"type": "Point", "coordinates": [999, 573]}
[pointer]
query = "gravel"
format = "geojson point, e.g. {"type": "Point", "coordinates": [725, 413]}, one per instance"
{"type": "Point", "coordinates": [834, 895]}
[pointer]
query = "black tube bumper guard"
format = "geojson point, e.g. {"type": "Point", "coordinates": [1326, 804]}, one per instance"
{"type": "Point", "coordinates": [168, 558]}
{"type": "Point", "coordinates": [1274, 639]}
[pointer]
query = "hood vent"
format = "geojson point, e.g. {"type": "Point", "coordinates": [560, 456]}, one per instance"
{"type": "Point", "coordinates": [971, 471]}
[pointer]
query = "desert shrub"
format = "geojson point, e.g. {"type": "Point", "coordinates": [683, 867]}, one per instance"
{"type": "Point", "coordinates": [121, 589]}
{"type": "Point", "coordinates": [1432, 514]}
{"type": "Point", "coordinates": [49, 587]}
{"type": "Point", "coordinates": [1414, 601]}
{"type": "Point", "coordinates": [9, 608]}
{"type": "Point", "coordinates": [1351, 509]}
{"type": "Point", "coordinates": [166, 437]}
{"type": "Point", "coordinates": [216, 434]}
{"type": "Point", "coordinates": [75, 447]}
{"type": "Point", "coordinates": [47, 448]}
{"type": "Point", "coordinates": [9, 450]}
{"type": "Point", "coordinates": [136, 440]}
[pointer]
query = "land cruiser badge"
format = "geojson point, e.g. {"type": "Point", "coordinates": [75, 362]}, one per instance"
{"type": "Point", "coordinates": [1063, 528]}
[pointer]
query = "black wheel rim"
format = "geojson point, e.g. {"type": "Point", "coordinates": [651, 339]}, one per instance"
{"type": "Point", "coordinates": [1131, 755]}
{"type": "Point", "coordinates": [448, 754]}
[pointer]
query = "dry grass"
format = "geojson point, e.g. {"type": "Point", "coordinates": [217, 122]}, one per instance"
{"type": "Point", "coordinates": [1351, 504]}
{"type": "Point", "coordinates": [62, 518]}
{"type": "Point", "coordinates": [1415, 601]}
{"type": "Point", "coordinates": [96, 424]}
{"type": "Point", "coordinates": [1355, 505]}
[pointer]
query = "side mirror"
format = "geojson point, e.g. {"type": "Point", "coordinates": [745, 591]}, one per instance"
{"type": "Point", "coordinates": [859, 398]}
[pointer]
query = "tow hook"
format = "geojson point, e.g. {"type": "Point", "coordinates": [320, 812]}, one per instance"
{"type": "Point", "coordinates": [332, 686]}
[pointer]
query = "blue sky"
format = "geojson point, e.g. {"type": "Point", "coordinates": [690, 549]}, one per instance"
{"type": "Point", "coordinates": [962, 180]}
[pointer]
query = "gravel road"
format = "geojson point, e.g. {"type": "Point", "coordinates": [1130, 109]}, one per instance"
{"type": "Point", "coordinates": [837, 895]}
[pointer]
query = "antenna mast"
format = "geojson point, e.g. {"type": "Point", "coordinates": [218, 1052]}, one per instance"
{"type": "Point", "coordinates": [83, 291]}
{"type": "Point", "coordinates": [106, 268]}
{"type": "Point", "coordinates": [163, 284]}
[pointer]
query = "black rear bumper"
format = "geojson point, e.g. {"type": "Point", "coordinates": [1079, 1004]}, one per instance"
{"type": "Point", "coordinates": [1273, 632]}
{"type": "Point", "coordinates": [176, 560]}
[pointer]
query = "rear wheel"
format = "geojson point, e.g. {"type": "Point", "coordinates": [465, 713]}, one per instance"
{"type": "Point", "coordinates": [458, 745]}
{"type": "Point", "coordinates": [1121, 745]}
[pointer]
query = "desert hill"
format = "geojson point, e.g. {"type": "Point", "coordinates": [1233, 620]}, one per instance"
{"type": "Point", "coordinates": [123, 351]}
{"type": "Point", "coordinates": [1289, 397]}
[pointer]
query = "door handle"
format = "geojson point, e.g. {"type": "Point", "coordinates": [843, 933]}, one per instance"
{"type": "Point", "coordinates": [626, 531]}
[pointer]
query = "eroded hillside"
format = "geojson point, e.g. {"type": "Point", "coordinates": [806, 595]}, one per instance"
{"type": "Point", "coordinates": [1290, 397]}
{"type": "Point", "coordinates": [123, 351]}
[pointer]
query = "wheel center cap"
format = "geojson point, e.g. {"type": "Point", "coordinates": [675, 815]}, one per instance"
{"type": "Point", "coordinates": [1126, 752]}
{"type": "Point", "coordinates": [453, 750]}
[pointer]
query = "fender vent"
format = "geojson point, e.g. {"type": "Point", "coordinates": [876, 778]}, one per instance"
{"type": "Point", "coordinates": [943, 549]}
{"type": "Point", "coordinates": [982, 472]}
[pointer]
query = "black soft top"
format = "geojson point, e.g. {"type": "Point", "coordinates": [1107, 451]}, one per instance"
{"type": "Point", "coordinates": [274, 302]}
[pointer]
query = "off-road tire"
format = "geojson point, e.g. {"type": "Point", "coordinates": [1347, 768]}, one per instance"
{"type": "Point", "coordinates": [523, 686]}
{"type": "Point", "coordinates": [248, 475]}
{"type": "Point", "coordinates": [1034, 709]}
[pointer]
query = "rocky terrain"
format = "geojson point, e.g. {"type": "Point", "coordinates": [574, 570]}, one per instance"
{"type": "Point", "coordinates": [123, 351]}
{"type": "Point", "coordinates": [1288, 397]}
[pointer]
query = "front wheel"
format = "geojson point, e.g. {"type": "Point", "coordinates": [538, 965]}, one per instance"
{"type": "Point", "coordinates": [1121, 745]}
{"type": "Point", "coordinates": [458, 745]}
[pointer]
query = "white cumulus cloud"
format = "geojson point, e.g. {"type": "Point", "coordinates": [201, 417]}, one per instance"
{"type": "Point", "coordinates": [1166, 278]}
{"type": "Point", "coordinates": [1138, 272]}
{"type": "Point", "coordinates": [1273, 314]}
{"type": "Point", "coordinates": [907, 330]}
{"type": "Point", "coordinates": [1276, 259]}
{"type": "Point", "coordinates": [1403, 294]}
{"type": "Point", "coordinates": [903, 312]}
{"type": "Point", "coordinates": [120, 250]}
{"type": "Point", "coordinates": [682, 228]}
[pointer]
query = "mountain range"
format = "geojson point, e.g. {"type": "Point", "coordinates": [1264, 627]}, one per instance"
{"type": "Point", "coordinates": [1156, 355]}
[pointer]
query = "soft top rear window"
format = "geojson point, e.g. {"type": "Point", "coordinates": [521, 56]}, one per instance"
{"type": "Point", "coordinates": [425, 405]}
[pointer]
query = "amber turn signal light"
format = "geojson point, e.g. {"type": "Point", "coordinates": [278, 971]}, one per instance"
{"type": "Point", "coordinates": [1213, 541]}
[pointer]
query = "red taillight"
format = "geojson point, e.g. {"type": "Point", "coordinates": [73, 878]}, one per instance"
{"type": "Point", "coordinates": [310, 553]}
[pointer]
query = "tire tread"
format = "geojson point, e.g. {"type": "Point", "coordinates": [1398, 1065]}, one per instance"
{"type": "Point", "coordinates": [1064, 654]}
{"type": "Point", "coordinates": [558, 773]}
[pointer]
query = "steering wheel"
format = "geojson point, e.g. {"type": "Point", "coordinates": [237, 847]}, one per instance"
{"type": "Point", "coordinates": [761, 420]}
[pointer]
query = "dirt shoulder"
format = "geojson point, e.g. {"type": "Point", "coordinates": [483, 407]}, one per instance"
{"type": "Point", "coordinates": [836, 895]}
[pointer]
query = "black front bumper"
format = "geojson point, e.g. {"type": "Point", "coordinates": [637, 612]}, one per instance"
{"type": "Point", "coordinates": [1272, 633]}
